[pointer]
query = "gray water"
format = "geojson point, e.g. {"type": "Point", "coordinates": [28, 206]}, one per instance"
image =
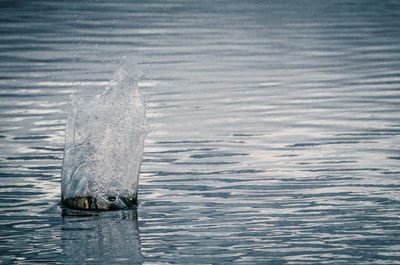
{"type": "Point", "coordinates": [275, 130]}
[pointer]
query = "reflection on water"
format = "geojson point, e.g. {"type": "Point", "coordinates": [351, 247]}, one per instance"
{"type": "Point", "coordinates": [105, 237]}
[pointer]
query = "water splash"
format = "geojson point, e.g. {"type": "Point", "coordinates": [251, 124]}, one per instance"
{"type": "Point", "coordinates": [103, 147]}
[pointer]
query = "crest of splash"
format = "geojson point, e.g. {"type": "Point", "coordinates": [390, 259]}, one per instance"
{"type": "Point", "coordinates": [104, 144]}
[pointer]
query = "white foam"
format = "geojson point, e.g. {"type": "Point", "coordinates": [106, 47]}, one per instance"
{"type": "Point", "coordinates": [104, 142]}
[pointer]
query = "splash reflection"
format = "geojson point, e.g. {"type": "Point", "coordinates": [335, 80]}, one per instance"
{"type": "Point", "coordinates": [101, 237]}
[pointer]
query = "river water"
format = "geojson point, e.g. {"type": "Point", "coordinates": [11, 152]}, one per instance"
{"type": "Point", "coordinates": [275, 130]}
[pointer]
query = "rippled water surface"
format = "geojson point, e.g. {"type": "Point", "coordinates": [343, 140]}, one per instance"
{"type": "Point", "coordinates": [275, 130]}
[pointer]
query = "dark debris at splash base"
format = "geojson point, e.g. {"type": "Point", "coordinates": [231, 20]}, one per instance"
{"type": "Point", "coordinates": [94, 204]}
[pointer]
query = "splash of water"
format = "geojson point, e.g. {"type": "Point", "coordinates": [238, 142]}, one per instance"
{"type": "Point", "coordinates": [103, 147]}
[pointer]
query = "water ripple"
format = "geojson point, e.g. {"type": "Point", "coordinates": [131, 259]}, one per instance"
{"type": "Point", "coordinates": [275, 131]}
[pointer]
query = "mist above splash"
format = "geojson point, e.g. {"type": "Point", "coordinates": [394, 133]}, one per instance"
{"type": "Point", "coordinates": [104, 143]}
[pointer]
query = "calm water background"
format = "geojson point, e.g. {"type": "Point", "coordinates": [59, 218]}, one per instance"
{"type": "Point", "coordinates": [276, 130]}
